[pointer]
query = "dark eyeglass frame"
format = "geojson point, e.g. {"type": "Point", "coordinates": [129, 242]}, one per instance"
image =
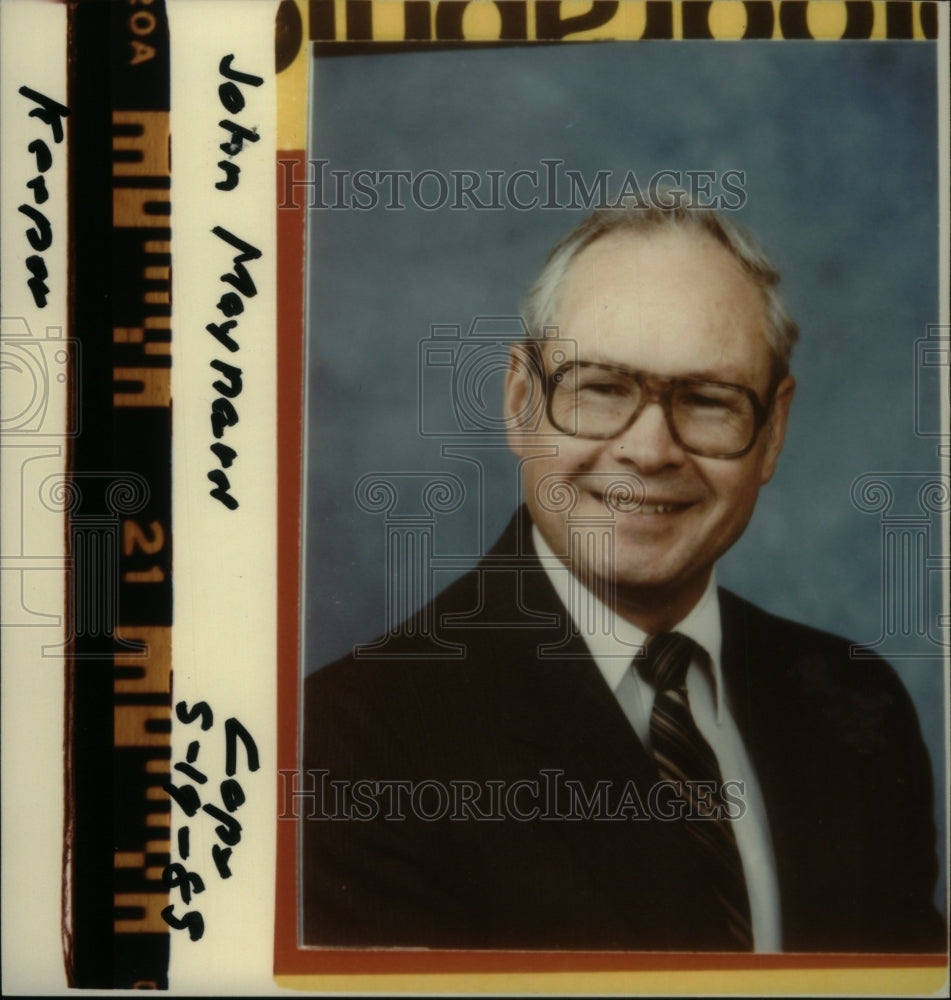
{"type": "Point", "coordinates": [660, 388]}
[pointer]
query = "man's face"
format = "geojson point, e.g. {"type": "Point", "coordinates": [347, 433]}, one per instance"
{"type": "Point", "coordinates": [672, 303]}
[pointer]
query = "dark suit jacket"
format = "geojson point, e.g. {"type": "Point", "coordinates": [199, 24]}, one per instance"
{"type": "Point", "coordinates": [835, 742]}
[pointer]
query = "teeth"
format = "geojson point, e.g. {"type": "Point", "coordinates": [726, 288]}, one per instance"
{"type": "Point", "coordinates": [644, 508]}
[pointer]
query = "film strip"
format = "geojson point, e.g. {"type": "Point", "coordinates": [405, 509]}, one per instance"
{"type": "Point", "coordinates": [118, 689]}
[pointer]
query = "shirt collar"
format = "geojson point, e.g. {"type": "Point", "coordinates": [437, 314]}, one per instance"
{"type": "Point", "coordinates": [614, 646]}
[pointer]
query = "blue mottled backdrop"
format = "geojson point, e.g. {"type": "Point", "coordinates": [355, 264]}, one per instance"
{"type": "Point", "coordinates": [838, 146]}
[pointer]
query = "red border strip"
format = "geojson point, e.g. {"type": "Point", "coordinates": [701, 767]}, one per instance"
{"type": "Point", "coordinates": [291, 230]}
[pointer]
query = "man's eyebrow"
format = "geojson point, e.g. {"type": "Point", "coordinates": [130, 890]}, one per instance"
{"type": "Point", "coordinates": [728, 374]}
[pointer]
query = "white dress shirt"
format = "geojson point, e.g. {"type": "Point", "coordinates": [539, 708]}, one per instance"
{"type": "Point", "coordinates": [613, 650]}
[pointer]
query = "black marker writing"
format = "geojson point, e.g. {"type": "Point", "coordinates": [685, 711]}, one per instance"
{"type": "Point", "coordinates": [40, 234]}
{"type": "Point", "coordinates": [232, 100]}
{"type": "Point", "coordinates": [231, 796]}
{"type": "Point", "coordinates": [224, 413]}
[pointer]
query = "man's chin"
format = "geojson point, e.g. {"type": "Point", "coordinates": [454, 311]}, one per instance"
{"type": "Point", "coordinates": [642, 573]}
{"type": "Point", "coordinates": [657, 601]}
{"type": "Point", "coordinates": [646, 565]}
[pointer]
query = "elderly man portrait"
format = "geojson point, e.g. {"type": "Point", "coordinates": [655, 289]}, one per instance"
{"type": "Point", "coordinates": [614, 752]}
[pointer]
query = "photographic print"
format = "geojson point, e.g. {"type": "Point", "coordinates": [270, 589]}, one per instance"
{"type": "Point", "coordinates": [490, 547]}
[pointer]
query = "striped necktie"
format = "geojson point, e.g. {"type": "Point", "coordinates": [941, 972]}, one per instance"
{"type": "Point", "coordinates": [684, 756]}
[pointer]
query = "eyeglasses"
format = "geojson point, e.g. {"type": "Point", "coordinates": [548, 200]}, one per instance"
{"type": "Point", "coordinates": [710, 419]}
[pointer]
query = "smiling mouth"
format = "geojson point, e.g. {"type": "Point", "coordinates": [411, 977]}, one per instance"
{"type": "Point", "coordinates": [661, 508]}
{"type": "Point", "coordinates": [635, 507]}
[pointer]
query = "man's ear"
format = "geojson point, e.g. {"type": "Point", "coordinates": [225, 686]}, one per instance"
{"type": "Point", "coordinates": [775, 429]}
{"type": "Point", "coordinates": [524, 394]}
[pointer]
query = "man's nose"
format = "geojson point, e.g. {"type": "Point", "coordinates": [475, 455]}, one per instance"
{"type": "Point", "coordinates": [648, 442]}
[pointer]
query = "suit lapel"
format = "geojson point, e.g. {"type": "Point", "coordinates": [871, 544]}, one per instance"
{"type": "Point", "coordinates": [543, 700]}
{"type": "Point", "coordinates": [766, 708]}
{"type": "Point", "coordinates": [557, 714]}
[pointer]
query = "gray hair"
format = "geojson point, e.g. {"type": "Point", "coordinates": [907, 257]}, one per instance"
{"type": "Point", "coordinates": [541, 305]}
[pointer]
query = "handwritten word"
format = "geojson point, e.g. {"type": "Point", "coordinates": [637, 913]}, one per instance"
{"type": "Point", "coordinates": [231, 796]}
{"type": "Point", "coordinates": [223, 411]}
{"type": "Point", "coordinates": [224, 414]}
{"type": "Point", "coordinates": [40, 235]}
{"type": "Point", "coordinates": [232, 100]}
